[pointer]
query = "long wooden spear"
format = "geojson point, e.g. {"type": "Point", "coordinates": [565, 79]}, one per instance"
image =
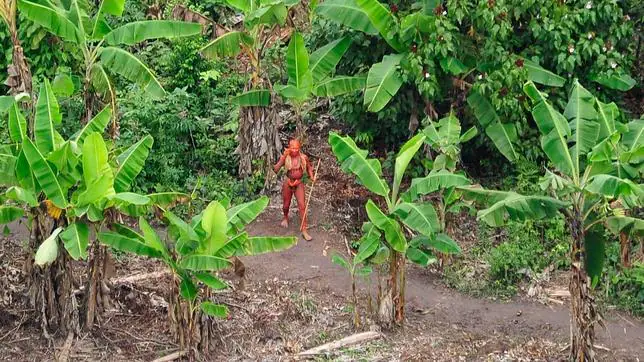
{"type": "Point", "coordinates": [306, 208]}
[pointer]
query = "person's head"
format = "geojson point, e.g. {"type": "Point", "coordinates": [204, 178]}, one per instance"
{"type": "Point", "coordinates": [294, 147]}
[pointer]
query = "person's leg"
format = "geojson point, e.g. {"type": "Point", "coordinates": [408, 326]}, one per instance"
{"type": "Point", "coordinates": [287, 195]}
{"type": "Point", "coordinates": [301, 205]}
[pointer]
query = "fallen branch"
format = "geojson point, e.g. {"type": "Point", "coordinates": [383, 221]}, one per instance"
{"type": "Point", "coordinates": [138, 277]}
{"type": "Point", "coordinates": [67, 347]}
{"type": "Point", "coordinates": [171, 357]}
{"type": "Point", "coordinates": [344, 342]}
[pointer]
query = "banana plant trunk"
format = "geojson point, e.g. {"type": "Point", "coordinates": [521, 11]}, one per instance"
{"type": "Point", "coordinates": [192, 329]}
{"type": "Point", "coordinates": [51, 288]}
{"type": "Point", "coordinates": [19, 74]}
{"type": "Point", "coordinates": [258, 139]}
{"type": "Point", "coordinates": [97, 295]}
{"type": "Point", "coordinates": [392, 307]}
{"type": "Point", "coordinates": [583, 313]}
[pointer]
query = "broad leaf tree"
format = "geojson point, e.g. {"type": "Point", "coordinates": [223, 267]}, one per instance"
{"type": "Point", "coordinates": [311, 75]}
{"type": "Point", "coordinates": [81, 23]}
{"type": "Point", "coordinates": [258, 122]}
{"type": "Point", "coordinates": [407, 228]}
{"type": "Point", "coordinates": [596, 167]}
{"type": "Point", "coordinates": [195, 251]}
{"type": "Point", "coordinates": [424, 56]}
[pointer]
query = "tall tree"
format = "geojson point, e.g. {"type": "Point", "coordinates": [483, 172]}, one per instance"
{"type": "Point", "coordinates": [258, 134]}
{"type": "Point", "coordinates": [79, 23]}
{"type": "Point", "coordinates": [596, 163]}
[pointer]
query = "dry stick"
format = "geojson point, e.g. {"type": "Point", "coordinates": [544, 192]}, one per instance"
{"type": "Point", "coordinates": [64, 354]}
{"type": "Point", "coordinates": [344, 342]}
{"type": "Point", "coordinates": [171, 357]}
{"type": "Point", "coordinates": [306, 208]}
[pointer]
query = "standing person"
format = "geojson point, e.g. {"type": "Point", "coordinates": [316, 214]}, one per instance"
{"type": "Point", "coordinates": [296, 164]}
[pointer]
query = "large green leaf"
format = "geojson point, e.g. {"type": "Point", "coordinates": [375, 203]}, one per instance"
{"type": "Point", "coordinates": [391, 228]}
{"type": "Point", "coordinates": [23, 172]}
{"type": "Point", "coordinates": [211, 281]}
{"type": "Point", "coordinates": [6, 102]}
{"type": "Point", "coordinates": [227, 45]}
{"type": "Point", "coordinates": [270, 13]}
{"type": "Point", "coordinates": [215, 223]}
{"type": "Point", "coordinates": [253, 98]}
{"type": "Point", "coordinates": [580, 111]}
{"type": "Point", "coordinates": [441, 243]}
{"type": "Point", "coordinates": [131, 162]}
{"type": "Point", "coordinates": [50, 19]}
{"type": "Point", "coordinates": [540, 75]}
{"type": "Point", "coordinates": [152, 238]}
{"type": "Point", "coordinates": [44, 174]}
{"type": "Point", "coordinates": [502, 135]}
{"type": "Point", "coordinates": [138, 31]}
{"type": "Point", "coordinates": [95, 164]}
{"type": "Point", "coordinates": [615, 187]}
{"type": "Point", "coordinates": [606, 116]}
{"type": "Point", "coordinates": [241, 5]}
{"type": "Point", "coordinates": [419, 257]}
{"type": "Point", "coordinates": [204, 263]}
{"type": "Point", "coordinates": [96, 124]}
{"type": "Point", "coordinates": [47, 118]}
{"type": "Point", "coordinates": [595, 247]}
{"type": "Point", "coordinates": [332, 87]}
{"type": "Point", "coordinates": [383, 82]}
{"type": "Point", "coordinates": [354, 160]}
{"type": "Point", "coordinates": [419, 217]}
{"type": "Point", "coordinates": [17, 124]}
{"type": "Point", "coordinates": [243, 214]}
{"type": "Point", "coordinates": [77, 13]}
{"type": "Point", "coordinates": [369, 243]}
{"type": "Point", "coordinates": [622, 82]}
{"type": "Point", "coordinates": [128, 244]}
{"type": "Point", "coordinates": [130, 198]}
{"type": "Point", "coordinates": [406, 153]}
{"type": "Point", "coordinates": [233, 246]}
{"type": "Point", "coordinates": [102, 82]}
{"type": "Point", "coordinates": [10, 213]}
{"type": "Point", "coordinates": [97, 189]}
{"type": "Point", "coordinates": [633, 139]}
{"type": "Point", "coordinates": [348, 13]}
{"type": "Point", "coordinates": [187, 288]}
{"type": "Point", "coordinates": [555, 131]}
{"type": "Point", "coordinates": [8, 169]}
{"type": "Point", "coordinates": [130, 67]}
{"type": "Point", "coordinates": [324, 60]}
{"type": "Point", "coordinates": [292, 93]}
{"type": "Point", "coordinates": [433, 182]}
{"type": "Point", "coordinates": [297, 63]}
{"type": "Point", "coordinates": [76, 238]}
{"type": "Point", "coordinates": [214, 310]}
{"type": "Point", "coordinates": [383, 20]}
{"type": "Point", "coordinates": [503, 206]}
{"type": "Point", "coordinates": [48, 250]}
{"type": "Point", "coordinates": [257, 245]}
{"type": "Point", "coordinates": [19, 194]}
{"type": "Point", "coordinates": [631, 225]}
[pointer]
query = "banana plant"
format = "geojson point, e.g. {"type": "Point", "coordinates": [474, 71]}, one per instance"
{"type": "Point", "coordinates": [80, 23]}
{"type": "Point", "coordinates": [400, 214]}
{"type": "Point", "coordinates": [197, 249]}
{"type": "Point", "coordinates": [19, 73]}
{"type": "Point", "coordinates": [257, 119]}
{"type": "Point", "coordinates": [445, 138]}
{"type": "Point", "coordinates": [71, 184]}
{"type": "Point", "coordinates": [402, 34]}
{"type": "Point", "coordinates": [596, 167]}
{"type": "Point", "coordinates": [310, 75]}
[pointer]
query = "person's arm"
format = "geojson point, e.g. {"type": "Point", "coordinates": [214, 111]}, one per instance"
{"type": "Point", "coordinates": [280, 163]}
{"type": "Point", "coordinates": [309, 169]}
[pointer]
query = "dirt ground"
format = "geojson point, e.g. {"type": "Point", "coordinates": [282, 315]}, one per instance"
{"type": "Point", "coordinates": [298, 299]}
